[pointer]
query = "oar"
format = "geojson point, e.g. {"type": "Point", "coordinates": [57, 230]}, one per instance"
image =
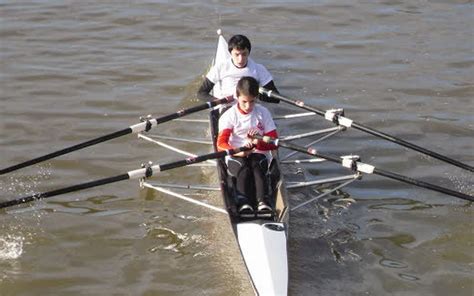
{"type": "Point", "coordinates": [344, 121]}
{"type": "Point", "coordinates": [135, 174]}
{"type": "Point", "coordinates": [140, 127]}
{"type": "Point", "coordinates": [366, 168]}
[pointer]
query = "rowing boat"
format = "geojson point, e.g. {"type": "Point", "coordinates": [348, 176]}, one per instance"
{"type": "Point", "coordinates": [262, 241]}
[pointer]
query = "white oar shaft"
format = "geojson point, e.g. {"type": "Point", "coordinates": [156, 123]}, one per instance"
{"type": "Point", "coordinates": [180, 196]}
{"type": "Point", "coordinates": [323, 194]}
{"type": "Point", "coordinates": [309, 134]}
{"type": "Point", "coordinates": [172, 148]}
{"type": "Point", "coordinates": [298, 115]}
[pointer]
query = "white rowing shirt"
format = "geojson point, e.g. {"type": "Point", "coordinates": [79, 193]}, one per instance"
{"type": "Point", "coordinates": [226, 75]}
{"type": "Point", "coordinates": [233, 119]}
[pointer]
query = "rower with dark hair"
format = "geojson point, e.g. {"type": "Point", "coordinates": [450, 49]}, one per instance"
{"type": "Point", "coordinates": [227, 74]}
{"type": "Point", "coordinates": [236, 128]}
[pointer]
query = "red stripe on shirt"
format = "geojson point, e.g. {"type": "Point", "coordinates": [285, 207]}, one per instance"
{"type": "Point", "coordinates": [223, 140]}
{"type": "Point", "coordinates": [265, 146]}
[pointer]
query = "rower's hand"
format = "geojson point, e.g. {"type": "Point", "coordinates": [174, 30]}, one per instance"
{"type": "Point", "coordinates": [251, 135]}
{"type": "Point", "coordinates": [246, 153]}
{"type": "Point", "coordinates": [249, 144]}
{"type": "Point", "coordinates": [230, 99]}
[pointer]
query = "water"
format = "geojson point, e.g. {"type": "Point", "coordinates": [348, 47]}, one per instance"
{"type": "Point", "coordinates": [71, 71]}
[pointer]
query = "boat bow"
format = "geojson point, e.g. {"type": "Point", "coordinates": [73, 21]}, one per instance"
{"type": "Point", "coordinates": [264, 248]}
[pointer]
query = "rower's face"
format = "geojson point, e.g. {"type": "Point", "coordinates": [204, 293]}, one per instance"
{"type": "Point", "coordinates": [240, 57]}
{"type": "Point", "coordinates": [246, 103]}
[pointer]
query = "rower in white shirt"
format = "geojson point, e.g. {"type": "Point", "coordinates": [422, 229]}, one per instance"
{"type": "Point", "coordinates": [228, 73]}
{"type": "Point", "coordinates": [236, 128]}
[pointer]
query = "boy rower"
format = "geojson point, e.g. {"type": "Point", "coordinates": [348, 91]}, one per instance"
{"type": "Point", "coordinates": [228, 73]}
{"type": "Point", "coordinates": [236, 128]}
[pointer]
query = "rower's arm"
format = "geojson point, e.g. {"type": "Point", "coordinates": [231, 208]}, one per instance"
{"type": "Point", "coordinates": [223, 143]}
{"type": "Point", "coordinates": [270, 86]}
{"type": "Point", "coordinates": [223, 140]}
{"type": "Point", "coordinates": [203, 93]}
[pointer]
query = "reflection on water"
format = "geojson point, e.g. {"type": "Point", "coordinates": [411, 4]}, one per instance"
{"type": "Point", "coordinates": [401, 204]}
{"type": "Point", "coordinates": [392, 263]}
{"type": "Point", "coordinates": [408, 277]}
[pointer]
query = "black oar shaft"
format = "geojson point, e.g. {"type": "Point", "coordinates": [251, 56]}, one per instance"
{"type": "Point", "coordinates": [374, 132]}
{"type": "Point", "coordinates": [412, 146]}
{"type": "Point", "coordinates": [380, 172]}
{"type": "Point", "coordinates": [133, 129]}
{"type": "Point", "coordinates": [140, 173]}
{"type": "Point", "coordinates": [66, 150]}
{"type": "Point", "coordinates": [423, 184]}
{"type": "Point", "coordinates": [64, 190]}
{"type": "Point", "coordinates": [201, 158]}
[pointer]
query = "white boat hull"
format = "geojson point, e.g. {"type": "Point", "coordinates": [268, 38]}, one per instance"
{"type": "Point", "coordinates": [263, 245]}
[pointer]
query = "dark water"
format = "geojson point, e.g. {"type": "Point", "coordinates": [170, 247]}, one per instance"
{"type": "Point", "coordinates": [71, 71]}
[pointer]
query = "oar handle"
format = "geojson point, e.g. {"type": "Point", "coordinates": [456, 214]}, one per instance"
{"type": "Point", "coordinates": [361, 127]}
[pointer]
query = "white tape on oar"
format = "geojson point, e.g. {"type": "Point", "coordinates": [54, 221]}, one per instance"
{"type": "Point", "coordinates": [345, 121]}
{"type": "Point", "coordinates": [365, 168]}
{"type": "Point", "coordinates": [140, 127]}
{"type": "Point", "coordinates": [347, 162]}
{"type": "Point", "coordinates": [341, 120]}
{"type": "Point", "coordinates": [135, 174]}
{"type": "Point", "coordinates": [351, 163]}
{"type": "Point", "coordinates": [264, 91]}
{"type": "Point", "coordinates": [330, 114]}
{"type": "Point", "coordinates": [141, 173]}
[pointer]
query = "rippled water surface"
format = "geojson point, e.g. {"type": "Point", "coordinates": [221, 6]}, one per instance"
{"type": "Point", "coordinates": [74, 70]}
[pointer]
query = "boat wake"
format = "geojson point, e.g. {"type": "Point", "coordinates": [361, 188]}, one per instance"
{"type": "Point", "coordinates": [17, 232]}
{"type": "Point", "coordinates": [168, 239]}
{"type": "Point", "coordinates": [463, 183]}
{"type": "Point", "coordinates": [11, 247]}
{"type": "Point", "coordinates": [162, 237]}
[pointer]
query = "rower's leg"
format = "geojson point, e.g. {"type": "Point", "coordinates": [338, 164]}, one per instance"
{"type": "Point", "coordinates": [238, 168]}
{"type": "Point", "coordinates": [259, 168]}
